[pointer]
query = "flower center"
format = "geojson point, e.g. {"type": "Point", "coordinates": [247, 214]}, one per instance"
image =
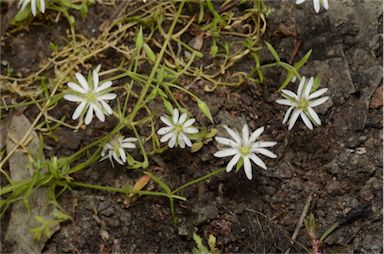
{"type": "Point", "coordinates": [302, 104]}
{"type": "Point", "coordinates": [116, 148]}
{"type": "Point", "coordinates": [178, 128]}
{"type": "Point", "coordinates": [244, 150]}
{"type": "Point", "coordinates": [91, 96]}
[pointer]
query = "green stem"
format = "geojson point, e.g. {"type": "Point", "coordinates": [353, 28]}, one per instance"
{"type": "Point", "coordinates": [156, 66]}
{"type": "Point", "coordinates": [125, 190]}
{"type": "Point", "coordinates": [195, 181]}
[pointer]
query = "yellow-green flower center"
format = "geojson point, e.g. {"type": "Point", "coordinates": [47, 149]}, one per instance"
{"type": "Point", "coordinates": [302, 104]}
{"type": "Point", "coordinates": [178, 128]}
{"type": "Point", "coordinates": [244, 150]}
{"type": "Point", "coordinates": [91, 96]}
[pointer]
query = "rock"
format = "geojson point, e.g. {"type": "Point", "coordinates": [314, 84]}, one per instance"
{"type": "Point", "coordinates": [335, 76]}
{"type": "Point", "coordinates": [377, 98]}
{"type": "Point", "coordinates": [22, 220]}
{"type": "Point", "coordinates": [205, 212]}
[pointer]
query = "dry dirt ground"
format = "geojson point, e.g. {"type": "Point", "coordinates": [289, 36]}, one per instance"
{"type": "Point", "coordinates": [338, 164]}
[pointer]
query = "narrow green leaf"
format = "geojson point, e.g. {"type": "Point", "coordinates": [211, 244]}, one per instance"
{"type": "Point", "coordinates": [258, 69]}
{"type": "Point", "coordinates": [286, 81]}
{"type": "Point", "coordinates": [201, 13]}
{"type": "Point", "coordinates": [168, 106]}
{"type": "Point", "coordinates": [273, 51]}
{"type": "Point", "coordinates": [149, 53]}
{"type": "Point", "coordinates": [57, 214]}
{"type": "Point", "coordinates": [157, 180]}
{"type": "Point", "coordinates": [316, 83]}
{"type": "Point", "coordinates": [214, 50]}
{"type": "Point", "coordinates": [139, 39]}
{"type": "Point", "coordinates": [211, 133]}
{"type": "Point", "coordinates": [204, 108]}
{"type": "Point", "coordinates": [21, 15]}
{"type": "Point", "coordinates": [196, 146]}
{"type": "Point", "coordinates": [303, 60]}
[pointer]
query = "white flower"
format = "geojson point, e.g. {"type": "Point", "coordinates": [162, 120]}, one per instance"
{"type": "Point", "coordinates": [90, 96]}
{"type": "Point", "coordinates": [245, 148]}
{"type": "Point", "coordinates": [316, 4]}
{"type": "Point", "coordinates": [302, 104]}
{"type": "Point", "coordinates": [177, 129]}
{"type": "Point", "coordinates": [115, 149]}
{"type": "Point", "coordinates": [24, 3]}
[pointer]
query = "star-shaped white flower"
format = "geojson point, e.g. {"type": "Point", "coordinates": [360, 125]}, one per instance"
{"type": "Point", "coordinates": [177, 129]}
{"type": "Point", "coordinates": [302, 104]}
{"type": "Point", "coordinates": [115, 149]}
{"type": "Point", "coordinates": [24, 3]}
{"type": "Point", "coordinates": [244, 148]}
{"type": "Point", "coordinates": [316, 4]}
{"type": "Point", "coordinates": [90, 96]}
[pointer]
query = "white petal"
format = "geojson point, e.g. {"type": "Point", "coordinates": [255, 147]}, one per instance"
{"type": "Point", "coordinates": [164, 130]}
{"type": "Point", "coordinates": [189, 122]}
{"type": "Point", "coordinates": [316, 4]}
{"type": "Point", "coordinates": [257, 161]}
{"type": "Point", "coordinates": [308, 88]}
{"type": "Point", "coordinates": [76, 87]}
{"type": "Point", "coordinates": [42, 6]}
{"type": "Point", "coordinates": [325, 4]}
{"type": "Point", "coordinates": [108, 96]}
{"type": "Point", "coordinates": [166, 121]}
{"type": "Point", "coordinates": [116, 157]}
{"type": "Point", "coordinates": [190, 130]}
{"type": "Point", "coordinates": [167, 137]}
{"type": "Point", "coordinates": [287, 114]}
{"type": "Point", "coordinates": [232, 162]}
{"type": "Point", "coordinates": [306, 120]}
{"type": "Point", "coordinates": [293, 118]}
{"type": "Point", "coordinates": [23, 4]}
{"type": "Point", "coordinates": [175, 116]}
{"type": "Point", "coordinates": [89, 116]}
{"type": "Point", "coordinates": [318, 93]}
{"type": "Point", "coordinates": [247, 167]}
{"type": "Point", "coordinates": [225, 141]}
{"type": "Point", "coordinates": [265, 152]}
{"type": "Point", "coordinates": [72, 97]}
{"type": "Point", "coordinates": [245, 134]}
{"type": "Point", "coordinates": [186, 140]}
{"type": "Point", "coordinates": [104, 86]}
{"type": "Point", "coordinates": [78, 110]}
{"type": "Point", "coordinates": [233, 134]}
{"type": "Point", "coordinates": [318, 101]}
{"type": "Point", "coordinates": [129, 140]}
{"type": "Point", "coordinates": [33, 7]}
{"type": "Point", "coordinates": [122, 154]}
{"type": "Point", "coordinates": [300, 87]}
{"type": "Point", "coordinates": [314, 116]}
{"type": "Point", "coordinates": [128, 145]}
{"type": "Point", "coordinates": [99, 113]}
{"type": "Point", "coordinates": [284, 102]}
{"type": "Point", "coordinates": [83, 82]}
{"type": "Point", "coordinates": [182, 118]}
{"type": "Point", "coordinates": [95, 77]}
{"type": "Point", "coordinates": [106, 106]}
{"type": "Point", "coordinates": [263, 144]}
{"type": "Point", "coordinates": [172, 141]}
{"type": "Point", "coordinates": [290, 94]}
{"type": "Point", "coordinates": [180, 141]}
{"type": "Point", "coordinates": [256, 134]}
{"type": "Point", "coordinates": [226, 152]}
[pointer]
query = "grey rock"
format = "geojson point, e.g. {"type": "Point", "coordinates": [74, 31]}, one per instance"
{"type": "Point", "coordinates": [335, 75]}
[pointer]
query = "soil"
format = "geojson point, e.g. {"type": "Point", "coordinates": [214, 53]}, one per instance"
{"type": "Point", "coordinates": [338, 164]}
